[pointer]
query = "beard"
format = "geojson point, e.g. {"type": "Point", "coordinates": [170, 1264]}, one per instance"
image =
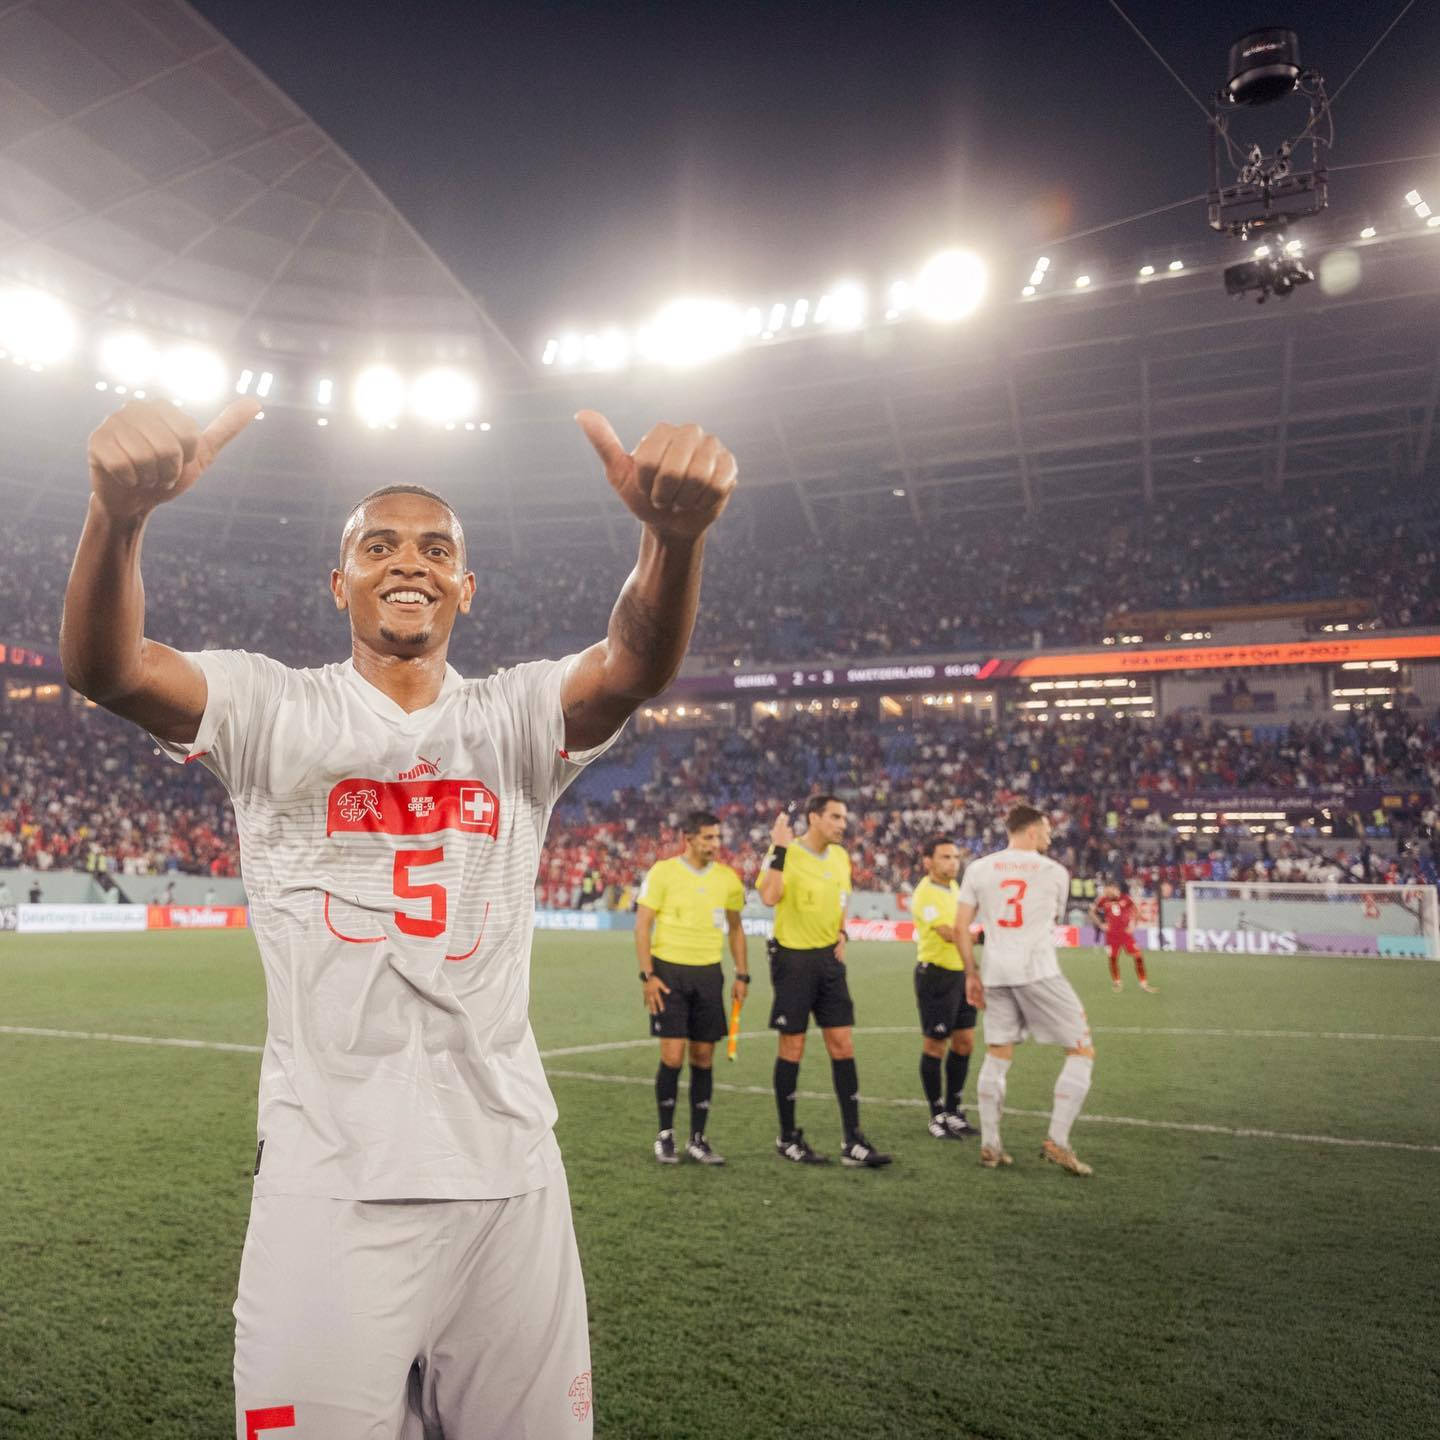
{"type": "Point", "coordinates": [394, 637]}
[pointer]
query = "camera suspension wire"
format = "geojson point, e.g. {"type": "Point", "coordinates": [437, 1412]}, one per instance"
{"type": "Point", "coordinates": [1129, 219]}
{"type": "Point", "coordinates": [1404, 10]}
{"type": "Point", "coordinates": [1170, 69]}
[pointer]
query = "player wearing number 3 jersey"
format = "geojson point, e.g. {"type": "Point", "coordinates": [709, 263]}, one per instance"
{"type": "Point", "coordinates": [410, 1266]}
{"type": "Point", "coordinates": [1018, 895]}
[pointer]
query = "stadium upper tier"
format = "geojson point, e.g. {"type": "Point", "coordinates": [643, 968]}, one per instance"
{"type": "Point", "coordinates": [995, 581]}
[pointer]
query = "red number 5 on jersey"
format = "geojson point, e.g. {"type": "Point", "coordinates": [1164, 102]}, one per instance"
{"type": "Point", "coordinates": [432, 925]}
{"type": "Point", "coordinates": [1014, 916]}
{"type": "Point", "coordinates": [276, 1417]}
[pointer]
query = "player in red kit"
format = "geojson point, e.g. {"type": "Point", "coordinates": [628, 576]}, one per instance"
{"type": "Point", "coordinates": [1116, 913]}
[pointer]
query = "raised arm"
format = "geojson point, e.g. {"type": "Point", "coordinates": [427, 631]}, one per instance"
{"type": "Point", "coordinates": [771, 885]}
{"type": "Point", "coordinates": [140, 457]}
{"type": "Point", "coordinates": [676, 482]}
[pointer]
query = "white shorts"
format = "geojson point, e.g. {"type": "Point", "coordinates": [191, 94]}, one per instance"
{"type": "Point", "coordinates": [1046, 1010]}
{"type": "Point", "coordinates": [366, 1320]}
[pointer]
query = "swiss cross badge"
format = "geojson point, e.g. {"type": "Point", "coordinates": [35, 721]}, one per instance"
{"type": "Point", "coordinates": [355, 805]}
{"type": "Point", "coordinates": [477, 808]}
{"type": "Point", "coordinates": [421, 805]}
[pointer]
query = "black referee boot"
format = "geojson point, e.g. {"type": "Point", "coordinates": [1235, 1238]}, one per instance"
{"type": "Point", "coordinates": [859, 1154]}
{"type": "Point", "coordinates": [665, 1148]}
{"type": "Point", "coordinates": [797, 1149]}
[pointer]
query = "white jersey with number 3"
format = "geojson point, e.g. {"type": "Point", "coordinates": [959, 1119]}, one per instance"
{"type": "Point", "coordinates": [390, 859]}
{"type": "Point", "coordinates": [1019, 896]}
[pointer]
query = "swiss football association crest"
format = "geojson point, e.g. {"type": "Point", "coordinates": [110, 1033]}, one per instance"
{"type": "Point", "coordinates": [412, 807]}
{"type": "Point", "coordinates": [582, 1395]}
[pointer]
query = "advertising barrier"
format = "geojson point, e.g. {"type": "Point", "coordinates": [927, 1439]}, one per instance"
{"type": "Point", "coordinates": [79, 919]}
{"type": "Point", "coordinates": [197, 917]}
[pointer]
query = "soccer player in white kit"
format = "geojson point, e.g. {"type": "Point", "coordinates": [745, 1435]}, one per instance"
{"type": "Point", "coordinates": [1019, 894]}
{"type": "Point", "coordinates": [410, 1268]}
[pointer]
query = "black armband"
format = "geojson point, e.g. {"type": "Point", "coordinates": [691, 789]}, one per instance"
{"type": "Point", "coordinates": [777, 858]}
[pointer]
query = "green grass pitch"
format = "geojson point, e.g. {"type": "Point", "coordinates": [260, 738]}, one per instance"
{"type": "Point", "coordinates": [1207, 1282]}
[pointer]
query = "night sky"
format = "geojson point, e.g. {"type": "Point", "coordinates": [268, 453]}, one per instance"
{"type": "Point", "coordinates": [579, 163]}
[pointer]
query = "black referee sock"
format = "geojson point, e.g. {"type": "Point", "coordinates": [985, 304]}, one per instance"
{"type": "Point", "coordinates": [930, 1079]}
{"type": "Point", "coordinates": [787, 1081]}
{"type": "Point", "coordinates": [702, 1085]}
{"type": "Point", "coordinates": [667, 1087]}
{"type": "Point", "coordinates": [847, 1091]}
{"type": "Point", "coordinates": [957, 1067]}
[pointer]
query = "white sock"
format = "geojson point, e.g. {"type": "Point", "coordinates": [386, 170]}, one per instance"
{"type": "Point", "coordinates": [1071, 1088]}
{"type": "Point", "coordinates": [990, 1091]}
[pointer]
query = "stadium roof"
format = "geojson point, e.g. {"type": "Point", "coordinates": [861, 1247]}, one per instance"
{"type": "Point", "coordinates": [149, 171]}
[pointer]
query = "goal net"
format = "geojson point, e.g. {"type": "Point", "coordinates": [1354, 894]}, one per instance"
{"type": "Point", "coordinates": [1314, 919]}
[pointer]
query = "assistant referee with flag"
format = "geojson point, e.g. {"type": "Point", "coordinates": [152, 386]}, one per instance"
{"type": "Point", "coordinates": [807, 881]}
{"type": "Point", "coordinates": [688, 910]}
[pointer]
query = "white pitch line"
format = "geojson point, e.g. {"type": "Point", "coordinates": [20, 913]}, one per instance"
{"type": "Point", "coordinates": [606, 1046]}
{"type": "Point", "coordinates": [165, 1040]}
{"type": "Point", "coordinates": [1238, 1132]}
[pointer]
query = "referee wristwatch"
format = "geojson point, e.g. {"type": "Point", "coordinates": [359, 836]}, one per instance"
{"type": "Point", "coordinates": [646, 976]}
{"type": "Point", "coordinates": [742, 979]}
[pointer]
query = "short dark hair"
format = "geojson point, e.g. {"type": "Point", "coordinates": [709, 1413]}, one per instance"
{"type": "Point", "coordinates": [934, 843]}
{"type": "Point", "coordinates": [816, 804]}
{"type": "Point", "coordinates": [384, 490]}
{"type": "Point", "coordinates": [1021, 817]}
{"type": "Point", "coordinates": [698, 820]}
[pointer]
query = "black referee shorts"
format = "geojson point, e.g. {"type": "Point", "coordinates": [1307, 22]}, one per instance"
{"type": "Point", "coordinates": [808, 982]}
{"type": "Point", "coordinates": [940, 997]}
{"type": "Point", "coordinates": [695, 1007]}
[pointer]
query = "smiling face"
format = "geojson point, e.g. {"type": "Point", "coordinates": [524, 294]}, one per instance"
{"type": "Point", "coordinates": [402, 575]}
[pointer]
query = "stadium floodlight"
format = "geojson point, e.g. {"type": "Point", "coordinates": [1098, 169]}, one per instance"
{"type": "Point", "coordinates": [1432, 221]}
{"type": "Point", "coordinates": [754, 321]}
{"type": "Point", "coordinates": [950, 285]}
{"type": "Point", "coordinates": [799, 313]}
{"type": "Point", "coordinates": [242, 385]}
{"type": "Point", "coordinates": [443, 395]}
{"type": "Point", "coordinates": [1261, 251]}
{"type": "Point", "coordinates": [378, 395]}
{"type": "Point", "coordinates": [1368, 233]}
{"type": "Point", "coordinates": [552, 349]}
{"type": "Point", "coordinates": [845, 306]}
{"type": "Point", "coordinates": [1028, 291]}
{"type": "Point", "coordinates": [267, 383]}
{"type": "Point", "coordinates": [1082, 282]}
{"type": "Point", "coordinates": [901, 297]}
{"type": "Point", "coordinates": [691, 331]}
{"type": "Point", "coordinates": [1412, 197]}
{"type": "Point", "coordinates": [1177, 265]}
{"type": "Point", "coordinates": [37, 329]}
{"type": "Point", "coordinates": [1423, 210]}
{"type": "Point", "coordinates": [572, 347]}
{"type": "Point", "coordinates": [611, 350]}
{"type": "Point", "coordinates": [325, 392]}
{"type": "Point", "coordinates": [192, 374]}
{"type": "Point", "coordinates": [776, 320]}
{"type": "Point", "coordinates": [1146, 271]}
{"type": "Point", "coordinates": [128, 356]}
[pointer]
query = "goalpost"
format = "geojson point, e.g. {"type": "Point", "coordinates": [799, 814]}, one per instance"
{"type": "Point", "coordinates": [1313, 919]}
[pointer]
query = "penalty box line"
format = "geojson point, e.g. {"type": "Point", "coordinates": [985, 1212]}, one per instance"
{"type": "Point", "coordinates": [1236, 1132]}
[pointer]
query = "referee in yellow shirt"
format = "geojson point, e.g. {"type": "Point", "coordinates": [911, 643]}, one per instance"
{"type": "Point", "coordinates": [689, 907]}
{"type": "Point", "coordinates": [947, 1019]}
{"type": "Point", "coordinates": [807, 881]}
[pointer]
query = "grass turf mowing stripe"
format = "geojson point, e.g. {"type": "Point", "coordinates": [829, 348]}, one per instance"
{"type": "Point", "coordinates": [1187, 1127]}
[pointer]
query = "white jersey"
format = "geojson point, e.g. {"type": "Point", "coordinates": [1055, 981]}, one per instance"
{"type": "Point", "coordinates": [390, 864]}
{"type": "Point", "coordinates": [1019, 896]}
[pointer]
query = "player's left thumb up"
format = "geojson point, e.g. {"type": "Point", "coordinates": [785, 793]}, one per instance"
{"type": "Point", "coordinates": [603, 439]}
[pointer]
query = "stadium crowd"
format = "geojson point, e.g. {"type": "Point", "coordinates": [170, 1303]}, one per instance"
{"type": "Point", "coordinates": [906, 781]}
{"type": "Point", "coordinates": [995, 582]}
